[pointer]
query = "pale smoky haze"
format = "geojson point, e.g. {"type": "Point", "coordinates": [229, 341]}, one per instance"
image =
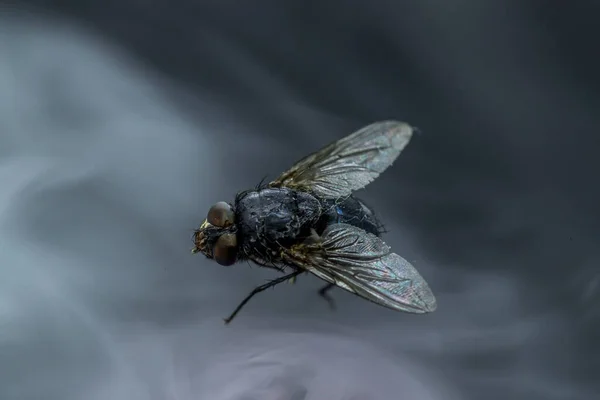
{"type": "Point", "coordinates": [122, 122]}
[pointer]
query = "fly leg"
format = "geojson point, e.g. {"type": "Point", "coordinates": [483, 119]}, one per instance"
{"type": "Point", "coordinates": [259, 289]}
{"type": "Point", "coordinates": [323, 293]}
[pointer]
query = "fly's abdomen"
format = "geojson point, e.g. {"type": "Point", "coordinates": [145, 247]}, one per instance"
{"type": "Point", "coordinates": [270, 218]}
{"type": "Point", "coordinates": [350, 211]}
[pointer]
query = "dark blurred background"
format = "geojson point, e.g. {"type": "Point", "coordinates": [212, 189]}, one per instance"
{"type": "Point", "coordinates": [121, 122]}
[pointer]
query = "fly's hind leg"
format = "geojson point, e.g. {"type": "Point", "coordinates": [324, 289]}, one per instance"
{"type": "Point", "coordinates": [323, 293]}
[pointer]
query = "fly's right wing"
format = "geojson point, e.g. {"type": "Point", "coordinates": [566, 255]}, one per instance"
{"type": "Point", "coordinates": [363, 264]}
{"type": "Point", "coordinates": [350, 163]}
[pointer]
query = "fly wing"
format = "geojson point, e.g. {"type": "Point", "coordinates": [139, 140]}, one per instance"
{"type": "Point", "coordinates": [350, 163]}
{"type": "Point", "coordinates": [363, 264]}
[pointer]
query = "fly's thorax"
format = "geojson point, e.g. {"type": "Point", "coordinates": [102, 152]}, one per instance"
{"type": "Point", "coordinates": [270, 218]}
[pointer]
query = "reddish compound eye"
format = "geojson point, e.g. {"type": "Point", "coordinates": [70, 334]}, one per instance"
{"type": "Point", "coordinates": [220, 215]}
{"type": "Point", "coordinates": [225, 249]}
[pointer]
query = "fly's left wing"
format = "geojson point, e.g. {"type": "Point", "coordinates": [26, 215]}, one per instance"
{"type": "Point", "coordinates": [350, 163]}
{"type": "Point", "coordinates": [363, 264]}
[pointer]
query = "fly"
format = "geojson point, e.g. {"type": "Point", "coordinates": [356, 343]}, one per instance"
{"type": "Point", "coordinates": [307, 220]}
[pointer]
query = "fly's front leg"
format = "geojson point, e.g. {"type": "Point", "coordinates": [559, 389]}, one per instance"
{"type": "Point", "coordinates": [259, 289]}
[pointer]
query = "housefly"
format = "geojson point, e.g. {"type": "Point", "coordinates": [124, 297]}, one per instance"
{"type": "Point", "coordinates": [307, 220]}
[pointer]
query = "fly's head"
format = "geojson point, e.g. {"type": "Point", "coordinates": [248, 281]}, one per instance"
{"type": "Point", "coordinates": [216, 238]}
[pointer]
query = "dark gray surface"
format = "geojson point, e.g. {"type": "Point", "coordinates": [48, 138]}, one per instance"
{"type": "Point", "coordinates": [115, 139]}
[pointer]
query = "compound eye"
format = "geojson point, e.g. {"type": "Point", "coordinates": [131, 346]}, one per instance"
{"type": "Point", "coordinates": [220, 215]}
{"type": "Point", "coordinates": [225, 249]}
